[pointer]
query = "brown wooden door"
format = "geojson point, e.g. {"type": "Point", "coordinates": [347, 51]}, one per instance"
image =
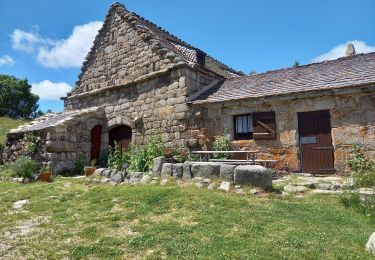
{"type": "Point", "coordinates": [316, 142]}
{"type": "Point", "coordinates": [122, 135]}
{"type": "Point", "coordinates": [96, 133]}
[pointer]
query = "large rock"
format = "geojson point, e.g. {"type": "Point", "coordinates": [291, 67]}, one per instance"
{"type": "Point", "coordinates": [135, 177]}
{"type": "Point", "coordinates": [254, 175]}
{"type": "Point", "coordinates": [187, 171]}
{"type": "Point", "coordinates": [295, 189]}
{"type": "Point", "coordinates": [227, 172]}
{"type": "Point", "coordinates": [166, 170]}
{"type": "Point", "coordinates": [205, 169]}
{"type": "Point", "coordinates": [177, 170]}
{"type": "Point", "coordinates": [145, 179]}
{"type": "Point", "coordinates": [370, 246]}
{"type": "Point", "coordinates": [98, 172]}
{"type": "Point", "coordinates": [117, 176]}
{"type": "Point", "coordinates": [225, 186]}
{"type": "Point", "coordinates": [158, 164]}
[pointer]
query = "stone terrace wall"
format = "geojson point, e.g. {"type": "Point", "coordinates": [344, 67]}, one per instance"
{"type": "Point", "coordinates": [156, 105]}
{"type": "Point", "coordinates": [352, 121]}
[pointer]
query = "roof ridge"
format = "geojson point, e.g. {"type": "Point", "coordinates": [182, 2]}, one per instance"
{"type": "Point", "coordinates": [309, 64]}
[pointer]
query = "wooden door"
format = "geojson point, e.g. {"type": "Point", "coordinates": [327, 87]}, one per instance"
{"type": "Point", "coordinates": [122, 135]}
{"type": "Point", "coordinates": [96, 134]}
{"type": "Point", "coordinates": [316, 142]}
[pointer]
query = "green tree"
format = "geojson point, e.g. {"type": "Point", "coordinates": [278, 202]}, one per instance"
{"type": "Point", "coordinates": [16, 99]}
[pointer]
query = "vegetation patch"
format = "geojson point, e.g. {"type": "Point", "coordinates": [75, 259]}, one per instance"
{"type": "Point", "coordinates": [87, 220]}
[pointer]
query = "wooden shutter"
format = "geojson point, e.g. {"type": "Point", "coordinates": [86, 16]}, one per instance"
{"type": "Point", "coordinates": [264, 125]}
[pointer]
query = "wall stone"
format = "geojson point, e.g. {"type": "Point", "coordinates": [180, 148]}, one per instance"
{"type": "Point", "coordinates": [352, 121]}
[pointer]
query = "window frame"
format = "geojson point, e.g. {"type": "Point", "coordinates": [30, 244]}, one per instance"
{"type": "Point", "coordinates": [242, 136]}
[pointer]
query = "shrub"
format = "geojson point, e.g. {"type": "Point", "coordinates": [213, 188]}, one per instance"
{"type": "Point", "coordinates": [181, 155]}
{"type": "Point", "coordinates": [221, 143]}
{"type": "Point", "coordinates": [23, 167]}
{"type": "Point", "coordinates": [363, 169]}
{"type": "Point", "coordinates": [6, 171]}
{"type": "Point", "coordinates": [154, 148]}
{"type": "Point", "coordinates": [365, 205]}
{"type": "Point", "coordinates": [116, 157]}
{"type": "Point", "coordinates": [138, 158]}
{"type": "Point", "coordinates": [31, 143]}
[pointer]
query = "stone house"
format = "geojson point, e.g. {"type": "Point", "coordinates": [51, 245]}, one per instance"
{"type": "Point", "coordinates": [138, 81]}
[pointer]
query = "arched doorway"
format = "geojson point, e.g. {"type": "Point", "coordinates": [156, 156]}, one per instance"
{"type": "Point", "coordinates": [96, 134]}
{"type": "Point", "coordinates": [122, 135]}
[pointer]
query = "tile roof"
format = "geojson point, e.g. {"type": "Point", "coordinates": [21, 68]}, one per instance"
{"type": "Point", "coordinates": [344, 72]}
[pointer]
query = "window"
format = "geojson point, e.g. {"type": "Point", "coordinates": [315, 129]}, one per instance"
{"type": "Point", "coordinates": [258, 126]}
{"type": "Point", "coordinates": [264, 125]}
{"type": "Point", "coordinates": [243, 127]}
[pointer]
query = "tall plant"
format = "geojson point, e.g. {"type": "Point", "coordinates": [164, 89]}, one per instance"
{"type": "Point", "coordinates": [363, 169]}
{"type": "Point", "coordinates": [221, 143]}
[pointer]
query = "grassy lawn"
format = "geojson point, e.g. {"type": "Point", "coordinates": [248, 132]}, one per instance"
{"type": "Point", "coordinates": [5, 125]}
{"type": "Point", "coordinates": [76, 219]}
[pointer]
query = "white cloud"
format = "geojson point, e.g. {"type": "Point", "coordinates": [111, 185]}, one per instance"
{"type": "Point", "coordinates": [339, 50]}
{"type": "Point", "coordinates": [63, 53]}
{"type": "Point", "coordinates": [72, 51]}
{"type": "Point", "coordinates": [48, 90]}
{"type": "Point", "coordinates": [6, 60]}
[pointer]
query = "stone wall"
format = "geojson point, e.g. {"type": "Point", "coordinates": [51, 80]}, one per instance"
{"type": "Point", "coordinates": [154, 106]}
{"type": "Point", "coordinates": [352, 121]}
{"type": "Point", "coordinates": [121, 53]}
{"type": "Point", "coordinates": [59, 146]}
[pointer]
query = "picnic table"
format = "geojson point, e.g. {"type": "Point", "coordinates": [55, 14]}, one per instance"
{"type": "Point", "coordinates": [250, 157]}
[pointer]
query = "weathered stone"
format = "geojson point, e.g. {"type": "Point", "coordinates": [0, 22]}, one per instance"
{"type": "Point", "coordinates": [135, 177]}
{"type": "Point", "coordinates": [19, 204]}
{"type": "Point", "coordinates": [164, 181]}
{"type": "Point", "coordinates": [145, 179]}
{"type": "Point", "coordinates": [166, 170]}
{"type": "Point", "coordinates": [186, 171]}
{"type": "Point", "coordinates": [254, 191]}
{"type": "Point", "coordinates": [211, 186]}
{"type": "Point", "coordinates": [105, 180]}
{"type": "Point", "coordinates": [324, 186]}
{"type": "Point", "coordinates": [370, 245]}
{"type": "Point", "coordinates": [177, 170]}
{"type": "Point", "coordinates": [224, 186]}
{"type": "Point", "coordinates": [227, 172]}
{"type": "Point", "coordinates": [254, 175]}
{"type": "Point", "coordinates": [295, 189]}
{"type": "Point", "coordinates": [206, 170]}
{"type": "Point", "coordinates": [106, 173]}
{"type": "Point", "coordinates": [117, 176]}
{"type": "Point", "coordinates": [98, 172]}
{"type": "Point", "coordinates": [158, 164]}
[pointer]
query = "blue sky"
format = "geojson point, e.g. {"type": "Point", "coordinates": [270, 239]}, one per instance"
{"type": "Point", "coordinates": [46, 41]}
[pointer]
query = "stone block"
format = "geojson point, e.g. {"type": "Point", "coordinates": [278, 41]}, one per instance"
{"type": "Point", "coordinates": [117, 176]}
{"type": "Point", "coordinates": [224, 186]}
{"type": "Point", "coordinates": [177, 170]}
{"type": "Point", "coordinates": [254, 175]}
{"type": "Point", "coordinates": [158, 164]}
{"type": "Point", "coordinates": [227, 172]}
{"type": "Point", "coordinates": [166, 170]}
{"type": "Point", "coordinates": [187, 171]}
{"type": "Point", "coordinates": [205, 169]}
{"type": "Point", "coordinates": [135, 177]}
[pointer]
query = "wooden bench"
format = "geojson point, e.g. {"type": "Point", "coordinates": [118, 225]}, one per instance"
{"type": "Point", "coordinates": [245, 162]}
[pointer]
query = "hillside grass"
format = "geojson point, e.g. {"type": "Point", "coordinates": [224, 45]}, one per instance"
{"type": "Point", "coordinates": [7, 124]}
{"type": "Point", "coordinates": [72, 218]}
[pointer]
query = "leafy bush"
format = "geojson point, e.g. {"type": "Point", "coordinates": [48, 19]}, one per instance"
{"type": "Point", "coordinates": [221, 143]}
{"type": "Point", "coordinates": [23, 167]}
{"type": "Point", "coordinates": [363, 169]}
{"type": "Point", "coordinates": [181, 155]}
{"type": "Point", "coordinates": [31, 143]}
{"type": "Point", "coordinates": [365, 205]}
{"type": "Point", "coordinates": [116, 157]}
{"type": "Point", "coordinates": [138, 158]}
{"type": "Point", "coordinates": [154, 148]}
{"type": "Point", "coordinates": [6, 171]}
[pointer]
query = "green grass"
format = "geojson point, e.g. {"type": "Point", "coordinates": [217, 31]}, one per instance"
{"type": "Point", "coordinates": [7, 124]}
{"type": "Point", "coordinates": [76, 219]}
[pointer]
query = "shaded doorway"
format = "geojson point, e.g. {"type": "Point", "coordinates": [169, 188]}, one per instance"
{"type": "Point", "coordinates": [96, 134]}
{"type": "Point", "coordinates": [315, 141]}
{"type": "Point", "coordinates": [122, 135]}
